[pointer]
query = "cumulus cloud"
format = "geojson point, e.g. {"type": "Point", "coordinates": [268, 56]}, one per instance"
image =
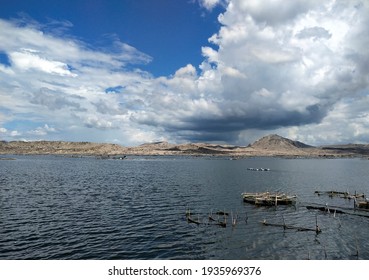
{"type": "Point", "coordinates": [96, 122]}
{"type": "Point", "coordinates": [53, 100]}
{"type": "Point", "coordinates": [298, 68]}
{"type": "Point", "coordinates": [5, 133]}
{"type": "Point", "coordinates": [291, 68]}
{"type": "Point", "coordinates": [53, 78]}
{"type": "Point", "coordinates": [42, 130]}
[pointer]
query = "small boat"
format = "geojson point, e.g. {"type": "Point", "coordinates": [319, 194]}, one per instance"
{"type": "Point", "coordinates": [258, 169]}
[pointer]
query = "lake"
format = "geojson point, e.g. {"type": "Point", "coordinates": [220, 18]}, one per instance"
{"type": "Point", "coordinates": [54, 207]}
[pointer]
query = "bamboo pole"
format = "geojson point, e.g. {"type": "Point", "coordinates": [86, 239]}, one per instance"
{"type": "Point", "coordinates": [357, 247]}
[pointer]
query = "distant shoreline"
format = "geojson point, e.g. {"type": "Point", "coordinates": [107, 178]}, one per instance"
{"type": "Point", "coordinates": [268, 146]}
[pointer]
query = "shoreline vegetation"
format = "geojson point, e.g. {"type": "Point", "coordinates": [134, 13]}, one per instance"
{"type": "Point", "coordinates": [268, 146]}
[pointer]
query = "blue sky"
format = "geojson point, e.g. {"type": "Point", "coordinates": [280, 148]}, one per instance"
{"type": "Point", "coordinates": [225, 71]}
{"type": "Point", "coordinates": [171, 32]}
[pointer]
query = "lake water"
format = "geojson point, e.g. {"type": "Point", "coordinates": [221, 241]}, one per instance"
{"type": "Point", "coordinates": [85, 208]}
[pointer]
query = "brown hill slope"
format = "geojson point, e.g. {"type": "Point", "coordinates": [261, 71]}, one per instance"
{"type": "Point", "coordinates": [60, 148]}
{"type": "Point", "coordinates": [271, 145]}
{"type": "Point", "coordinates": [278, 143]}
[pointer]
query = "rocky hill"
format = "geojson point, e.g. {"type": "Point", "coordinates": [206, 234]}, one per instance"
{"type": "Point", "coordinates": [276, 142]}
{"type": "Point", "coordinates": [271, 145]}
{"type": "Point", "coordinates": [59, 148]}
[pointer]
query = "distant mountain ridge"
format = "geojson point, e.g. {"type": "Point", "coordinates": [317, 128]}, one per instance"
{"type": "Point", "coordinates": [270, 145]}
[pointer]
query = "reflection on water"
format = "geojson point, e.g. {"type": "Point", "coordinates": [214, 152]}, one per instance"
{"type": "Point", "coordinates": [84, 208]}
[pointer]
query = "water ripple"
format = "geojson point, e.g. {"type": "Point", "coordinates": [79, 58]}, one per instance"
{"type": "Point", "coordinates": [64, 208]}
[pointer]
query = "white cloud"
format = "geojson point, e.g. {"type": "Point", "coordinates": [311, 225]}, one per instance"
{"type": "Point", "coordinates": [298, 68]}
{"type": "Point", "coordinates": [42, 130]}
{"type": "Point", "coordinates": [64, 82]}
{"type": "Point", "coordinates": [210, 4]}
{"type": "Point", "coordinates": [15, 133]}
{"type": "Point", "coordinates": [297, 63]}
{"type": "Point", "coordinates": [29, 60]}
{"type": "Point", "coordinates": [96, 122]}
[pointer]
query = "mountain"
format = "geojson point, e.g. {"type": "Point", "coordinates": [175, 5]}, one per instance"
{"type": "Point", "coordinates": [165, 148]}
{"type": "Point", "coordinates": [278, 143]}
{"type": "Point", "coordinates": [59, 148]}
{"type": "Point", "coordinates": [271, 145]}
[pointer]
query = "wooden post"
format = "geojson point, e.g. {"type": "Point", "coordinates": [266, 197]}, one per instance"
{"type": "Point", "coordinates": [355, 203]}
{"type": "Point", "coordinates": [317, 229]}
{"type": "Point", "coordinates": [357, 247]}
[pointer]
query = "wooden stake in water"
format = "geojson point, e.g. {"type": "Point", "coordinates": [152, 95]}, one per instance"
{"type": "Point", "coordinates": [355, 202]}
{"type": "Point", "coordinates": [188, 212]}
{"type": "Point", "coordinates": [326, 206]}
{"type": "Point", "coordinates": [357, 247]}
{"type": "Point", "coordinates": [317, 229]}
{"type": "Point", "coordinates": [234, 220]}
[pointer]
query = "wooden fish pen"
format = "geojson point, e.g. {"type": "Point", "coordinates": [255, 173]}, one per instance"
{"type": "Point", "coordinates": [340, 194]}
{"type": "Point", "coordinates": [269, 199]}
{"type": "Point", "coordinates": [338, 210]}
{"type": "Point", "coordinates": [284, 226]}
{"type": "Point", "coordinates": [190, 219]}
{"type": "Point", "coordinates": [220, 221]}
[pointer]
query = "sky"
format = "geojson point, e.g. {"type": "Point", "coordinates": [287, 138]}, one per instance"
{"type": "Point", "coordinates": [223, 71]}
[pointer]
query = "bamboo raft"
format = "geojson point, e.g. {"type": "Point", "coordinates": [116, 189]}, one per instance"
{"type": "Point", "coordinates": [269, 199]}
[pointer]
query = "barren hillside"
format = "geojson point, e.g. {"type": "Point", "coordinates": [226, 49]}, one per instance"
{"type": "Point", "coordinates": [276, 142]}
{"type": "Point", "coordinates": [60, 148]}
{"type": "Point", "coordinates": [271, 145]}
